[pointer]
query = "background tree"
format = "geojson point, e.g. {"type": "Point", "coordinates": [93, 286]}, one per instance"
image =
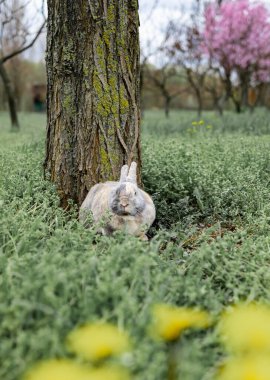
{"type": "Point", "coordinates": [15, 38]}
{"type": "Point", "coordinates": [165, 79]}
{"type": "Point", "coordinates": [214, 86]}
{"type": "Point", "coordinates": [145, 55]}
{"type": "Point", "coordinates": [184, 50]}
{"type": "Point", "coordinates": [236, 39]}
{"type": "Point", "coordinates": [24, 75]}
{"type": "Point", "coordinates": [93, 125]}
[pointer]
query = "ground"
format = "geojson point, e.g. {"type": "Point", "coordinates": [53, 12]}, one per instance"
{"type": "Point", "coordinates": [208, 248]}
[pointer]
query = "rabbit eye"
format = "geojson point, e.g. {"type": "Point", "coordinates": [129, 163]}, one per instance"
{"type": "Point", "coordinates": [135, 193]}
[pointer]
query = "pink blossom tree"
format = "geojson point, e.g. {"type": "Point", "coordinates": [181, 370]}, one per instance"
{"type": "Point", "coordinates": [236, 40]}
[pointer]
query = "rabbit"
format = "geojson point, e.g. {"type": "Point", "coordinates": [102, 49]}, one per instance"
{"type": "Point", "coordinates": [130, 209]}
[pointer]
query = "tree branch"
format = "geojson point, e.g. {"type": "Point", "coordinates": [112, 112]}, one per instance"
{"type": "Point", "coordinates": [22, 49]}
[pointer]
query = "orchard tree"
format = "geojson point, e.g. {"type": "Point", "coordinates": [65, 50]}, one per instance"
{"type": "Point", "coordinates": [214, 86]}
{"type": "Point", "coordinates": [145, 54]}
{"type": "Point", "coordinates": [184, 49]}
{"type": "Point", "coordinates": [93, 125]}
{"type": "Point", "coordinates": [16, 37]}
{"type": "Point", "coordinates": [163, 79]}
{"type": "Point", "coordinates": [236, 39]}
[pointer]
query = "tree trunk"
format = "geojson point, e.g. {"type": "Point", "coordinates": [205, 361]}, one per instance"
{"type": "Point", "coordinates": [15, 126]}
{"type": "Point", "coordinates": [219, 109]}
{"type": "Point", "coordinates": [237, 105]}
{"type": "Point", "coordinates": [93, 125]}
{"type": "Point", "coordinates": [221, 104]}
{"type": "Point", "coordinates": [217, 101]}
{"type": "Point", "coordinates": [217, 105]}
{"type": "Point", "coordinates": [200, 106]}
{"type": "Point", "coordinates": [196, 89]}
{"type": "Point", "coordinates": [167, 107]}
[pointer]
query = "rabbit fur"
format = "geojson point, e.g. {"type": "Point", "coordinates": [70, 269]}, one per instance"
{"type": "Point", "coordinates": [127, 207]}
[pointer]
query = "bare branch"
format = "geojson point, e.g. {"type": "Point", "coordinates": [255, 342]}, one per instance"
{"type": "Point", "coordinates": [24, 48]}
{"type": "Point", "coordinates": [150, 14]}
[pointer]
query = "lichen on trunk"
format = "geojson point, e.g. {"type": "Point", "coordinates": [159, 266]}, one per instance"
{"type": "Point", "coordinates": [93, 93]}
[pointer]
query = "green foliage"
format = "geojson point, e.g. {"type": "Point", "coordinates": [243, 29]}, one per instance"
{"type": "Point", "coordinates": [209, 248]}
{"type": "Point", "coordinates": [208, 178]}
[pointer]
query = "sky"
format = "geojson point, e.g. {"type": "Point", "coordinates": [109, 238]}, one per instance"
{"type": "Point", "coordinates": [154, 16]}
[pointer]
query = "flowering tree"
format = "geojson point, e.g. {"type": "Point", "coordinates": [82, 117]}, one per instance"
{"type": "Point", "coordinates": [236, 40]}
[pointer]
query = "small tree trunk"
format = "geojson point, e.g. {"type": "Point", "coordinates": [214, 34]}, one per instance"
{"type": "Point", "coordinates": [218, 107]}
{"type": "Point", "coordinates": [217, 103]}
{"type": "Point", "coordinates": [244, 80]}
{"type": "Point", "coordinates": [244, 98]}
{"type": "Point", "coordinates": [167, 107]}
{"type": "Point", "coordinates": [15, 126]}
{"type": "Point", "coordinates": [93, 93]}
{"type": "Point", "coordinates": [199, 101]}
{"type": "Point", "coordinates": [260, 100]}
{"type": "Point", "coordinates": [237, 105]}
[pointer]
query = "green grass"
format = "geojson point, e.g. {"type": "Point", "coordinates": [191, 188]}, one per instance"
{"type": "Point", "coordinates": [245, 123]}
{"type": "Point", "coordinates": [33, 126]}
{"type": "Point", "coordinates": [209, 247]}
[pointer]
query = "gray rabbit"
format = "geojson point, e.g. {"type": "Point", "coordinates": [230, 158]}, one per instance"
{"type": "Point", "coordinates": [127, 207]}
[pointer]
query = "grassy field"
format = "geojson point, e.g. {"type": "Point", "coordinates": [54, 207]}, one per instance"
{"type": "Point", "coordinates": [209, 247]}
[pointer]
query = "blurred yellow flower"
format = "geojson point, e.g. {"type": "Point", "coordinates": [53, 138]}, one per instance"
{"type": "Point", "coordinates": [58, 370]}
{"type": "Point", "coordinates": [201, 122]}
{"type": "Point", "coordinates": [246, 328]}
{"type": "Point", "coordinates": [246, 368]}
{"type": "Point", "coordinates": [169, 321]}
{"type": "Point", "coordinates": [68, 370]}
{"type": "Point", "coordinates": [209, 126]}
{"type": "Point", "coordinates": [194, 123]}
{"type": "Point", "coordinates": [97, 341]}
{"type": "Point", "coordinates": [110, 373]}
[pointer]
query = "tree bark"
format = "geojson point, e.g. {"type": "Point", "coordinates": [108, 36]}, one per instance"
{"type": "Point", "coordinates": [93, 125]}
{"type": "Point", "coordinates": [15, 126]}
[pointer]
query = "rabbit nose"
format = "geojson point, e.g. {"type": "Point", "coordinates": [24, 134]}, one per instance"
{"type": "Point", "coordinates": [124, 202]}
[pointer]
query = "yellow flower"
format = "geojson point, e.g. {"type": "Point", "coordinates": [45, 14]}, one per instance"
{"type": "Point", "coordinates": [194, 123]}
{"type": "Point", "coordinates": [109, 373]}
{"type": "Point", "coordinates": [97, 341]}
{"type": "Point", "coordinates": [246, 328]}
{"type": "Point", "coordinates": [169, 321]}
{"type": "Point", "coordinates": [201, 122]}
{"type": "Point", "coordinates": [246, 368]}
{"type": "Point", "coordinates": [68, 370]}
{"type": "Point", "coordinates": [58, 370]}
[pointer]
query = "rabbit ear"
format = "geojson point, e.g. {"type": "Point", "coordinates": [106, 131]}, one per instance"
{"type": "Point", "coordinates": [124, 173]}
{"type": "Point", "coordinates": [132, 176]}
